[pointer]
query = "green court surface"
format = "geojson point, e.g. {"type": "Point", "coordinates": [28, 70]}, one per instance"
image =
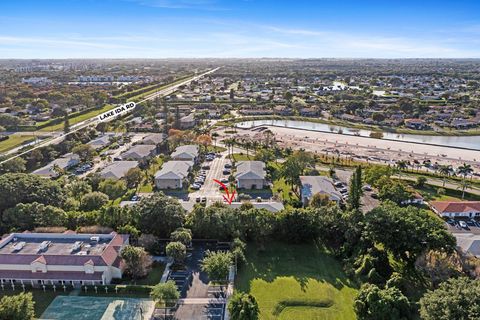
{"type": "Point", "coordinates": [98, 308]}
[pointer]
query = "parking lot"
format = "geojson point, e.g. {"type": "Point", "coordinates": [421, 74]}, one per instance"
{"type": "Point", "coordinates": [369, 200]}
{"type": "Point", "coordinates": [200, 299]}
{"type": "Point", "coordinates": [463, 226]}
{"type": "Point", "coordinates": [209, 191]}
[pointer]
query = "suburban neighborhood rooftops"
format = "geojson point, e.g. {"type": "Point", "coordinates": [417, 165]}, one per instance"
{"type": "Point", "coordinates": [118, 169]}
{"type": "Point", "coordinates": [250, 170]}
{"type": "Point", "coordinates": [450, 206]}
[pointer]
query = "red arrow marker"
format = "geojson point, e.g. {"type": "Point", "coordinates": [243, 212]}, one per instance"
{"type": "Point", "coordinates": [229, 197]}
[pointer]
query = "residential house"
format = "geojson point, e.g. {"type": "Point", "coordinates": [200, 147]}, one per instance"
{"type": "Point", "coordinates": [452, 209]}
{"type": "Point", "coordinates": [416, 124]}
{"type": "Point", "coordinates": [61, 258]}
{"type": "Point", "coordinates": [102, 141]}
{"type": "Point", "coordinates": [251, 175]}
{"type": "Point", "coordinates": [318, 184]}
{"type": "Point", "coordinates": [188, 121]}
{"type": "Point", "coordinates": [139, 152]}
{"type": "Point", "coordinates": [118, 169]}
{"type": "Point", "coordinates": [156, 139]}
{"type": "Point", "coordinates": [66, 162]}
{"type": "Point", "coordinates": [186, 153]}
{"type": "Point", "coordinates": [173, 174]}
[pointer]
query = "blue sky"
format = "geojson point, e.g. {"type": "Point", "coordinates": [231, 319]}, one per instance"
{"type": "Point", "coordinates": [241, 28]}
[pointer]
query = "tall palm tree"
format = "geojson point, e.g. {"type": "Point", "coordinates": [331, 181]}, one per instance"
{"type": "Point", "coordinates": [445, 171]}
{"type": "Point", "coordinates": [464, 184]}
{"type": "Point", "coordinates": [401, 166]}
{"type": "Point", "coordinates": [464, 170]}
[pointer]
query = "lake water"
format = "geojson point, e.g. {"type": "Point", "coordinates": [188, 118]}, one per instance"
{"type": "Point", "coordinates": [469, 142]}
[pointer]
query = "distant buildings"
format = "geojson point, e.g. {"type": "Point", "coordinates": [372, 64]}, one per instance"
{"type": "Point", "coordinates": [61, 258]}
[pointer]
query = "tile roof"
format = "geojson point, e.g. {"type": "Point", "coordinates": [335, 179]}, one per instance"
{"type": "Point", "coordinates": [450, 206]}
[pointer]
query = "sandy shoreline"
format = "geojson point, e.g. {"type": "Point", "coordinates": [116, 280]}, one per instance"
{"type": "Point", "coordinates": [363, 148]}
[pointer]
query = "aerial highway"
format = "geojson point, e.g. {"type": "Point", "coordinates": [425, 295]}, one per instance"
{"type": "Point", "coordinates": [58, 137]}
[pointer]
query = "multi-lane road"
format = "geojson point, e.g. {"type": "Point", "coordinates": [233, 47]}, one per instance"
{"type": "Point", "coordinates": [58, 137]}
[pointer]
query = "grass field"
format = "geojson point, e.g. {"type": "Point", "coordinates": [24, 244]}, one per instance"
{"type": "Point", "coordinates": [296, 282]}
{"type": "Point", "coordinates": [78, 118]}
{"type": "Point", "coordinates": [15, 140]}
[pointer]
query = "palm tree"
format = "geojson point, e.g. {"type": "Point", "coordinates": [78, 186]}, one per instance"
{"type": "Point", "coordinates": [464, 184]}
{"type": "Point", "coordinates": [445, 170]}
{"type": "Point", "coordinates": [464, 170]}
{"type": "Point", "coordinates": [401, 165]}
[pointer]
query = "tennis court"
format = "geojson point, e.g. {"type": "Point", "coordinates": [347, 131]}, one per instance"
{"type": "Point", "coordinates": [98, 308]}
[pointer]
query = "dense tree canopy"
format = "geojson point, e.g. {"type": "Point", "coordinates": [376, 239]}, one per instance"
{"type": "Point", "coordinates": [137, 261]}
{"type": "Point", "coordinates": [26, 188]}
{"type": "Point", "coordinates": [30, 215]}
{"type": "Point", "coordinates": [243, 306]}
{"type": "Point", "coordinates": [18, 307]}
{"type": "Point", "coordinates": [454, 299]}
{"type": "Point", "coordinates": [159, 215]}
{"type": "Point", "coordinates": [217, 265]}
{"type": "Point", "coordinates": [373, 303]}
{"type": "Point", "coordinates": [407, 232]}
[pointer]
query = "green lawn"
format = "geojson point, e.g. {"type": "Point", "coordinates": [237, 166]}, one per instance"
{"type": "Point", "coordinates": [79, 118]}
{"type": "Point", "coordinates": [242, 157]}
{"type": "Point", "coordinates": [296, 282]}
{"type": "Point", "coordinates": [15, 140]}
{"type": "Point", "coordinates": [430, 193]}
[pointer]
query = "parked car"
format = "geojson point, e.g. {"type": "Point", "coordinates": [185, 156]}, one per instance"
{"type": "Point", "coordinates": [374, 196]}
{"type": "Point", "coordinates": [195, 186]}
{"type": "Point", "coordinates": [224, 180]}
{"type": "Point", "coordinates": [463, 224]}
{"type": "Point", "coordinates": [206, 167]}
{"type": "Point", "coordinates": [197, 199]}
{"type": "Point", "coordinates": [226, 172]}
{"type": "Point", "coordinates": [204, 199]}
{"type": "Point", "coordinates": [135, 198]}
{"type": "Point", "coordinates": [339, 184]}
{"type": "Point", "coordinates": [367, 187]}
